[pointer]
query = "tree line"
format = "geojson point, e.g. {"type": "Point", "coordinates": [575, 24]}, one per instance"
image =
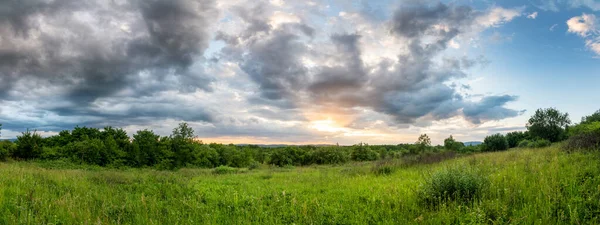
{"type": "Point", "coordinates": [113, 147]}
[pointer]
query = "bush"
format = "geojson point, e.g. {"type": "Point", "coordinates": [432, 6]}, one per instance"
{"type": "Point", "coordinates": [224, 170]}
{"type": "Point", "coordinates": [451, 185]}
{"type": "Point", "coordinates": [584, 136]}
{"type": "Point", "coordinates": [6, 147]}
{"type": "Point", "coordinates": [386, 167]}
{"type": "Point", "coordinates": [330, 155]}
{"type": "Point", "coordinates": [524, 144]}
{"type": "Point", "coordinates": [362, 152]}
{"type": "Point", "coordinates": [29, 145]}
{"type": "Point", "coordinates": [496, 142]}
{"type": "Point", "coordinates": [254, 165]}
{"type": "Point", "coordinates": [541, 143]}
{"type": "Point", "coordinates": [514, 138]}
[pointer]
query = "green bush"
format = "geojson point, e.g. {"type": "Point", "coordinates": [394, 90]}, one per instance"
{"type": "Point", "coordinates": [524, 144]}
{"type": "Point", "coordinates": [541, 143]}
{"type": "Point", "coordinates": [330, 155]}
{"type": "Point", "coordinates": [514, 138]}
{"type": "Point", "coordinates": [362, 152]}
{"type": "Point", "coordinates": [496, 142]}
{"type": "Point", "coordinates": [585, 136]}
{"type": "Point", "coordinates": [6, 147]}
{"type": "Point", "coordinates": [224, 170]}
{"type": "Point", "coordinates": [385, 167]}
{"type": "Point", "coordinates": [254, 165]}
{"type": "Point", "coordinates": [451, 185]}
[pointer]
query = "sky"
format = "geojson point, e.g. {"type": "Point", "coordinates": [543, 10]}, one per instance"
{"type": "Point", "coordinates": [297, 71]}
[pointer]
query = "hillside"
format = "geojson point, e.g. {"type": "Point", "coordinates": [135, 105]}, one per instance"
{"type": "Point", "coordinates": [522, 186]}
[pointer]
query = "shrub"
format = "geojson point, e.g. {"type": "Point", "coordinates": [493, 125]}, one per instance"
{"type": "Point", "coordinates": [524, 144]}
{"type": "Point", "coordinates": [254, 165]}
{"type": "Point", "coordinates": [224, 170]}
{"type": "Point", "coordinates": [541, 143]}
{"type": "Point", "coordinates": [384, 167]}
{"type": "Point", "coordinates": [6, 147]}
{"type": "Point", "coordinates": [362, 152]}
{"type": "Point", "coordinates": [514, 138]}
{"type": "Point", "coordinates": [453, 145]}
{"type": "Point", "coordinates": [29, 145]}
{"type": "Point", "coordinates": [584, 136]}
{"type": "Point", "coordinates": [451, 185]}
{"type": "Point", "coordinates": [496, 142]}
{"type": "Point", "coordinates": [330, 155]}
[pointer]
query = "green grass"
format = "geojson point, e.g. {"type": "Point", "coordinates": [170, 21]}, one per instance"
{"type": "Point", "coordinates": [522, 186]}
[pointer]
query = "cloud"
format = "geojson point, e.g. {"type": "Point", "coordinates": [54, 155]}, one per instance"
{"type": "Point", "coordinates": [588, 27]}
{"type": "Point", "coordinates": [553, 27]}
{"type": "Point", "coordinates": [532, 15]}
{"type": "Point", "coordinates": [583, 25]}
{"type": "Point", "coordinates": [263, 69]}
{"type": "Point", "coordinates": [408, 88]}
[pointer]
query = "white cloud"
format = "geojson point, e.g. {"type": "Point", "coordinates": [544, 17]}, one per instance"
{"type": "Point", "coordinates": [553, 27]}
{"type": "Point", "coordinates": [498, 16]}
{"type": "Point", "coordinates": [583, 25]}
{"type": "Point", "coordinates": [532, 16]}
{"type": "Point", "coordinates": [586, 26]}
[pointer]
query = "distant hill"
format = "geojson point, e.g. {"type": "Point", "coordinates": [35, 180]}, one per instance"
{"type": "Point", "coordinates": [472, 143]}
{"type": "Point", "coordinates": [13, 139]}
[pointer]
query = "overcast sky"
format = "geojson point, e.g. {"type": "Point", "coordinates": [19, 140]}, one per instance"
{"type": "Point", "coordinates": [297, 71]}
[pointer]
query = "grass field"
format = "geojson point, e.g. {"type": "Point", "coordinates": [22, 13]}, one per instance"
{"type": "Point", "coordinates": [521, 186]}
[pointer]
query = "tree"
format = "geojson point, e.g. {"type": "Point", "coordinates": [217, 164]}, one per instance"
{"type": "Point", "coordinates": [453, 145]}
{"type": "Point", "coordinates": [182, 141]}
{"type": "Point", "coordinates": [145, 143]}
{"type": "Point", "coordinates": [496, 142]}
{"type": "Point", "coordinates": [29, 145]}
{"type": "Point", "coordinates": [514, 138]}
{"type": "Point", "coordinates": [362, 152]}
{"type": "Point", "coordinates": [595, 117]}
{"type": "Point", "coordinates": [423, 143]}
{"type": "Point", "coordinates": [549, 124]}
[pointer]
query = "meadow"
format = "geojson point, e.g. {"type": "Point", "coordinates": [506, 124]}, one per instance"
{"type": "Point", "coordinates": [519, 186]}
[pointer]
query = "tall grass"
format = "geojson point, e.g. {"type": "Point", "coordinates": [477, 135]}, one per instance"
{"type": "Point", "coordinates": [522, 186]}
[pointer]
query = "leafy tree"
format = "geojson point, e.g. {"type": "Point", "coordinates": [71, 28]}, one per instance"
{"type": "Point", "coordinates": [6, 147]}
{"type": "Point", "coordinates": [423, 143]}
{"type": "Point", "coordinates": [514, 138]}
{"type": "Point", "coordinates": [496, 142]}
{"type": "Point", "coordinates": [146, 151]}
{"type": "Point", "coordinates": [549, 124]}
{"type": "Point", "coordinates": [453, 145]}
{"type": "Point", "coordinates": [362, 152]}
{"type": "Point", "coordinates": [29, 145]}
{"type": "Point", "coordinates": [182, 141]}
{"type": "Point", "coordinates": [595, 117]}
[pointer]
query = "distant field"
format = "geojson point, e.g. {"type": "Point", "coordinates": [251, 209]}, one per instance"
{"type": "Point", "coordinates": [523, 186]}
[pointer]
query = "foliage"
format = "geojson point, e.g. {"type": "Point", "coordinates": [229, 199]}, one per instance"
{"type": "Point", "coordinates": [496, 142]}
{"type": "Point", "coordinates": [595, 117]}
{"type": "Point", "coordinates": [29, 145]}
{"type": "Point", "coordinates": [362, 152]}
{"type": "Point", "coordinates": [584, 136]}
{"type": "Point", "coordinates": [549, 124]}
{"type": "Point", "coordinates": [453, 145]}
{"type": "Point", "coordinates": [225, 170]}
{"type": "Point", "coordinates": [524, 143]}
{"type": "Point", "coordinates": [451, 185]}
{"type": "Point", "coordinates": [514, 138]}
{"type": "Point", "coordinates": [6, 147]}
{"type": "Point", "coordinates": [422, 144]}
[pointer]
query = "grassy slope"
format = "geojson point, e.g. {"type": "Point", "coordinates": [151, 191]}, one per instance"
{"type": "Point", "coordinates": [527, 186]}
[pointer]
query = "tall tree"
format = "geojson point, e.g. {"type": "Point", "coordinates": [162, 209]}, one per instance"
{"type": "Point", "coordinates": [549, 124]}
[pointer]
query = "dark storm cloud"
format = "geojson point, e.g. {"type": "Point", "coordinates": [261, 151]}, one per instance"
{"type": "Point", "coordinates": [81, 48]}
{"type": "Point", "coordinates": [407, 88]}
